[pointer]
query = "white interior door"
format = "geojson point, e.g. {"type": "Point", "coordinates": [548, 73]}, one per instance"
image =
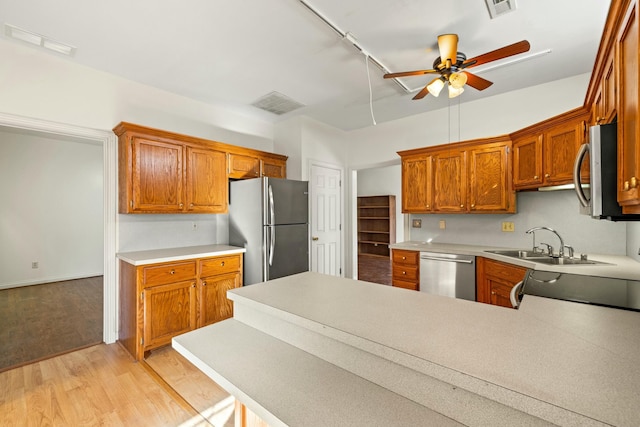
{"type": "Point", "coordinates": [326, 208]}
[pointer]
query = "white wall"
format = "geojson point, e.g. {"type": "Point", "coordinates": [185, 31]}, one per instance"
{"type": "Point", "coordinates": [633, 240]}
{"type": "Point", "coordinates": [557, 209]}
{"type": "Point", "coordinates": [39, 85]}
{"type": "Point", "coordinates": [52, 208]}
{"type": "Point", "coordinates": [496, 115]}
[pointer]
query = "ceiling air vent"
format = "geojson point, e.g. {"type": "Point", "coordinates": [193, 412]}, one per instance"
{"type": "Point", "coordinates": [277, 103]}
{"type": "Point", "coordinates": [500, 7]}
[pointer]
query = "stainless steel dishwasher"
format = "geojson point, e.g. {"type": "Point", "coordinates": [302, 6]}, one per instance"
{"type": "Point", "coordinates": [448, 275]}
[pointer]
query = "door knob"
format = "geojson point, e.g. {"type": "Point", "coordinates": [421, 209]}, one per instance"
{"type": "Point", "coordinates": [314, 238]}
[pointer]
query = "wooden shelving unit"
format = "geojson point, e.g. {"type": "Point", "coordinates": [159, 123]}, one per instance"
{"type": "Point", "coordinates": [376, 225]}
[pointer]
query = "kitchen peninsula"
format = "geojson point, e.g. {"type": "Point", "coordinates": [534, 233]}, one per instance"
{"type": "Point", "coordinates": [311, 349]}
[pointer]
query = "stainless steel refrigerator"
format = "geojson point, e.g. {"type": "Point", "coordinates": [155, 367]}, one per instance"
{"type": "Point", "coordinates": [270, 218]}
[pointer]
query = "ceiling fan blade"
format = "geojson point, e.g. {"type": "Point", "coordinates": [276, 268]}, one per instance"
{"type": "Point", "coordinates": [494, 55]}
{"type": "Point", "coordinates": [477, 82]}
{"type": "Point", "coordinates": [424, 92]}
{"type": "Point", "coordinates": [408, 73]}
{"type": "Point", "coordinates": [448, 46]}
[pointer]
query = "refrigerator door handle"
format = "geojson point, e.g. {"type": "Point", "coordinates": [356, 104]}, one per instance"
{"type": "Point", "coordinates": [272, 243]}
{"type": "Point", "coordinates": [272, 213]}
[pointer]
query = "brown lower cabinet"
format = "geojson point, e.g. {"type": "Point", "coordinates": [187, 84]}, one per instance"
{"type": "Point", "coordinates": [161, 301]}
{"type": "Point", "coordinates": [495, 279]}
{"type": "Point", "coordinates": [405, 269]}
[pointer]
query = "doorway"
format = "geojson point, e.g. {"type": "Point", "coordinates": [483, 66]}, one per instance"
{"type": "Point", "coordinates": [109, 148]}
{"type": "Point", "coordinates": [381, 180]}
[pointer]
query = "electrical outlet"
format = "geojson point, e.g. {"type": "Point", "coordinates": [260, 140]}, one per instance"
{"type": "Point", "coordinates": [443, 224]}
{"type": "Point", "coordinates": [34, 264]}
{"type": "Point", "coordinates": [508, 226]}
{"type": "Point", "coordinates": [416, 223]}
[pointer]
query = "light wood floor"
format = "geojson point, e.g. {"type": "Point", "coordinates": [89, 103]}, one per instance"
{"type": "Point", "coordinates": [102, 385]}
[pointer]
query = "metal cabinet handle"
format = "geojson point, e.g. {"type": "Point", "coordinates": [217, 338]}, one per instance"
{"type": "Point", "coordinates": [404, 258]}
{"type": "Point", "coordinates": [546, 175]}
{"type": "Point", "coordinates": [536, 177]}
{"type": "Point", "coordinates": [172, 272]}
{"type": "Point", "coordinates": [404, 273]}
{"type": "Point", "coordinates": [626, 186]}
{"type": "Point", "coordinates": [633, 182]}
{"type": "Point", "coordinates": [314, 238]}
{"type": "Point", "coordinates": [513, 295]}
{"type": "Point", "coordinates": [181, 205]}
{"type": "Point", "coordinates": [222, 264]}
{"type": "Point", "coordinates": [204, 283]}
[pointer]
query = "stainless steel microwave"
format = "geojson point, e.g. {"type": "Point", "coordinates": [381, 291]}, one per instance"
{"type": "Point", "coordinates": [598, 197]}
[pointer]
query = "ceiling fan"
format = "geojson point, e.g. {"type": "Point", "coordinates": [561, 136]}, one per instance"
{"type": "Point", "coordinates": [451, 65]}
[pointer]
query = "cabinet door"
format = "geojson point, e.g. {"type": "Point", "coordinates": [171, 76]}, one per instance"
{"type": "Point", "coordinates": [527, 162]}
{"type": "Point", "coordinates": [416, 184]}
{"type": "Point", "coordinates": [561, 145]}
{"type": "Point", "coordinates": [490, 186]}
{"type": "Point", "coordinates": [495, 280]}
{"type": "Point", "coordinates": [168, 310]}
{"type": "Point", "coordinates": [274, 168]}
{"type": "Point", "coordinates": [214, 304]}
{"type": "Point", "coordinates": [157, 176]}
{"type": "Point", "coordinates": [207, 189]}
{"type": "Point", "coordinates": [243, 166]}
{"type": "Point", "coordinates": [628, 118]}
{"type": "Point", "coordinates": [500, 292]}
{"type": "Point", "coordinates": [450, 178]}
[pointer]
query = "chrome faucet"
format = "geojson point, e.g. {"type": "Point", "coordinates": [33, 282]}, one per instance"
{"type": "Point", "coordinates": [562, 245]}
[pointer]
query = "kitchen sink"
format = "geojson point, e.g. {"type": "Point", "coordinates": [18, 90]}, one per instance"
{"type": "Point", "coordinates": [545, 259]}
{"type": "Point", "coordinates": [567, 261]}
{"type": "Point", "coordinates": [523, 254]}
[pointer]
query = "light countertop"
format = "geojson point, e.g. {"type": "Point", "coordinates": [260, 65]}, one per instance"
{"type": "Point", "coordinates": [618, 266]}
{"type": "Point", "coordinates": [551, 361]}
{"type": "Point", "coordinates": [177, 254]}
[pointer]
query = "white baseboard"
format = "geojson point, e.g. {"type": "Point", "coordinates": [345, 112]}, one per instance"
{"type": "Point", "coordinates": [43, 280]}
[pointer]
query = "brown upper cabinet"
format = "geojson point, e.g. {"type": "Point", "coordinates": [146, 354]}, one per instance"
{"type": "Point", "coordinates": [544, 153]}
{"type": "Point", "coordinates": [627, 55]}
{"type": "Point", "coordinates": [164, 172]}
{"type": "Point", "coordinates": [464, 177]}
{"type": "Point", "coordinates": [613, 94]}
{"type": "Point", "coordinates": [243, 167]}
{"type": "Point", "coordinates": [416, 183]}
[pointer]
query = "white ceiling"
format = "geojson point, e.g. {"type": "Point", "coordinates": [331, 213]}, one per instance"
{"type": "Point", "coordinates": [235, 51]}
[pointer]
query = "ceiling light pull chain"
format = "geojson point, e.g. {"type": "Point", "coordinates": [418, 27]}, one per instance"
{"type": "Point", "coordinates": [459, 119]}
{"type": "Point", "coordinates": [370, 91]}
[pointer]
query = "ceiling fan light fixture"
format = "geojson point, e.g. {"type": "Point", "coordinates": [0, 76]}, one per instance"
{"type": "Point", "coordinates": [435, 86]}
{"type": "Point", "coordinates": [457, 80]}
{"type": "Point", "coordinates": [453, 91]}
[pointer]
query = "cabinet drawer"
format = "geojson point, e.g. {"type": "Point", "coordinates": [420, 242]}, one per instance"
{"type": "Point", "coordinates": [405, 257]}
{"type": "Point", "coordinates": [405, 285]}
{"type": "Point", "coordinates": [508, 272]}
{"type": "Point", "coordinates": [219, 265]}
{"type": "Point", "coordinates": [161, 274]}
{"type": "Point", "coordinates": [405, 272]}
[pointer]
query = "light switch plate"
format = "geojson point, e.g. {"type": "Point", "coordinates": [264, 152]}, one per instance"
{"type": "Point", "coordinates": [416, 223]}
{"type": "Point", "coordinates": [443, 224]}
